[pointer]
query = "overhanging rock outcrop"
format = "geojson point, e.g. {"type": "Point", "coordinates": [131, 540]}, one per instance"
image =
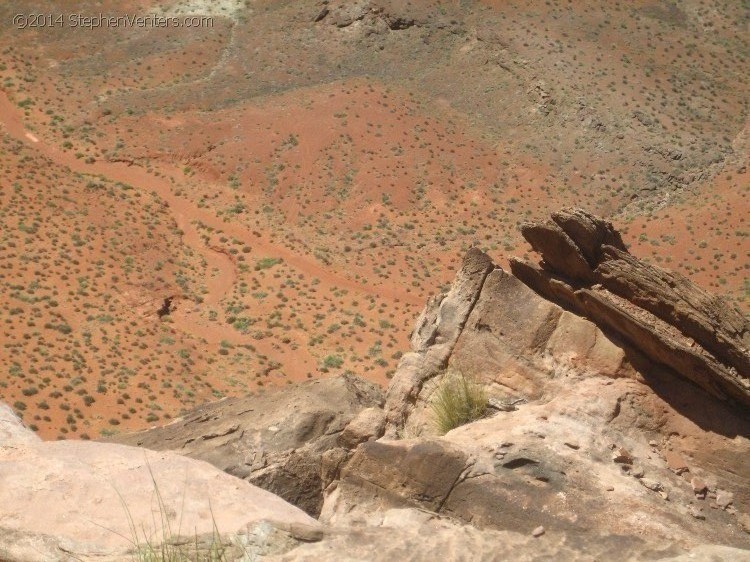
{"type": "Point", "coordinates": [586, 268]}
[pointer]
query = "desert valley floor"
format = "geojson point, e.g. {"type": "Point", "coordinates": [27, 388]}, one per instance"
{"type": "Point", "coordinates": [191, 214]}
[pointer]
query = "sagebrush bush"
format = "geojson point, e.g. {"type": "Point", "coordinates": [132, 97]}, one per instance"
{"type": "Point", "coordinates": [457, 401]}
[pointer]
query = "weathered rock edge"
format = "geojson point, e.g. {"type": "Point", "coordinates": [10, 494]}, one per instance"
{"type": "Point", "coordinates": [586, 268]}
{"type": "Point", "coordinates": [83, 500]}
{"type": "Point", "coordinates": [435, 335]}
{"type": "Point", "coordinates": [274, 440]}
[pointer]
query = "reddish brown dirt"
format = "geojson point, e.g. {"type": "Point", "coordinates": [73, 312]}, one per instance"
{"type": "Point", "coordinates": [706, 236]}
{"type": "Point", "coordinates": [194, 319]}
{"type": "Point", "coordinates": [299, 190]}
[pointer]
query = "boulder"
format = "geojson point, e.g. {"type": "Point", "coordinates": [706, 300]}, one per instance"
{"type": "Point", "coordinates": [82, 500]}
{"type": "Point", "coordinates": [344, 14]}
{"type": "Point", "coordinates": [275, 439]}
{"type": "Point", "coordinates": [369, 424]}
{"type": "Point", "coordinates": [418, 472]}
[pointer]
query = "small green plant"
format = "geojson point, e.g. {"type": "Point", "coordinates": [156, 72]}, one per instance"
{"type": "Point", "coordinates": [266, 263]}
{"type": "Point", "coordinates": [457, 401]}
{"type": "Point", "coordinates": [332, 362]}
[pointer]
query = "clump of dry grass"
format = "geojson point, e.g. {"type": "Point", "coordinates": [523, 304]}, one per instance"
{"type": "Point", "coordinates": [457, 401]}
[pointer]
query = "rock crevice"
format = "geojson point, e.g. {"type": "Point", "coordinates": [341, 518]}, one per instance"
{"type": "Point", "coordinates": [437, 331]}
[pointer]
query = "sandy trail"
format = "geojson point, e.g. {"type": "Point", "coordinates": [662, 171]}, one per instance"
{"type": "Point", "coordinates": [221, 273]}
{"type": "Point", "coordinates": [217, 285]}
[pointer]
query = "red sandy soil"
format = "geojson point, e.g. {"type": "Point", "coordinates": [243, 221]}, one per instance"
{"type": "Point", "coordinates": [299, 229]}
{"type": "Point", "coordinates": [347, 289]}
{"type": "Point", "coordinates": [289, 341]}
{"type": "Point", "coordinates": [706, 235]}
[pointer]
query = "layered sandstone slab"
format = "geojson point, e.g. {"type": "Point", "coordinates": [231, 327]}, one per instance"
{"type": "Point", "coordinates": [274, 439]}
{"type": "Point", "coordinates": [586, 268]}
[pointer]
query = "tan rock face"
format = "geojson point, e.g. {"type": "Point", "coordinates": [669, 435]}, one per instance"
{"type": "Point", "coordinates": [410, 534]}
{"type": "Point", "coordinates": [79, 497]}
{"type": "Point", "coordinates": [12, 430]}
{"type": "Point", "coordinates": [424, 472]}
{"type": "Point", "coordinates": [600, 437]}
{"type": "Point", "coordinates": [513, 340]}
{"type": "Point", "coordinates": [368, 425]}
{"type": "Point", "coordinates": [581, 343]}
{"type": "Point", "coordinates": [434, 337]}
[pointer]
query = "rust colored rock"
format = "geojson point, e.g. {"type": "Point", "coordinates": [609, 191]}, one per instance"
{"type": "Point", "coordinates": [699, 487]}
{"type": "Point", "coordinates": [675, 462]}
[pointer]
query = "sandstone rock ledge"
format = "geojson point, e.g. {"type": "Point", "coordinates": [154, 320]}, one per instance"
{"type": "Point", "coordinates": [603, 434]}
{"type": "Point", "coordinates": [275, 439]}
{"type": "Point", "coordinates": [666, 316]}
{"type": "Point", "coordinates": [74, 500]}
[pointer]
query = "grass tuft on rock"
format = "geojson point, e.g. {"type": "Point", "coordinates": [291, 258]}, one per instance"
{"type": "Point", "coordinates": [162, 543]}
{"type": "Point", "coordinates": [457, 401]}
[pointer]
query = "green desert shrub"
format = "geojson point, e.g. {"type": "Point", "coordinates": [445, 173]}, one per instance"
{"type": "Point", "coordinates": [458, 400]}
